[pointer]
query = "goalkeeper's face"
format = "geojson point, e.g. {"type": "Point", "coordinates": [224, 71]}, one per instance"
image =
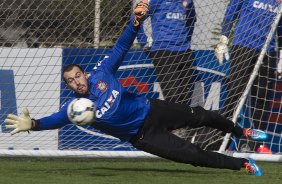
{"type": "Point", "coordinates": [77, 80]}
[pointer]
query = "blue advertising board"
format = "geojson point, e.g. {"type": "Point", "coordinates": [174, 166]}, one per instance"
{"type": "Point", "coordinates": [8, 103]}
{"type": "Point", "coordinates": [212, 77]}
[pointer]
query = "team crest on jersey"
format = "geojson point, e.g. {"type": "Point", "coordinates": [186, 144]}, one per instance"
{"type": "Point", "coordinates": [102, 86]}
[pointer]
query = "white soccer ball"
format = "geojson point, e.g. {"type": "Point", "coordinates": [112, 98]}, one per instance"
{"type": "Point", "coordinates": [81, 111]}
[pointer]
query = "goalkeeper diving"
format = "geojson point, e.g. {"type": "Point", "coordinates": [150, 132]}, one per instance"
{"type": "Point", "coordinates": [145, 123]}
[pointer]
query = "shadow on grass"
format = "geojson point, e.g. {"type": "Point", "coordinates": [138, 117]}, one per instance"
{"type": "Point", "coordinates": [150, 170]}
{"type": "Point", "coordinates": [88, 170]}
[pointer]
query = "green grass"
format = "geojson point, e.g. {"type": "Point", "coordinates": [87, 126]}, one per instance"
{"type": "Point", "coordinates": [124, 171]}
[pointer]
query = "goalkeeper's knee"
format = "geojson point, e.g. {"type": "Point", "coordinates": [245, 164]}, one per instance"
{"type": "Point", "coordinates": [201, 115]}
{"type": "Point", "coordinates": [215, 120]}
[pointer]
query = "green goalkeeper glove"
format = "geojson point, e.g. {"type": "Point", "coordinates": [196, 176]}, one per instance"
{"type": "Point", "coordinates": [19, 123]}
{"type": "Point", "coordinates": [140, 12]}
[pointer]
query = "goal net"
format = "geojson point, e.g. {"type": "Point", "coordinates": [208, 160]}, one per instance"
{"type": "Point", "coordinates": [172, 59]}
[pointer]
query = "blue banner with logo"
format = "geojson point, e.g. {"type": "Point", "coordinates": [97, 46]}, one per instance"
{"type": "Point", "coordinates": [8, 103]}
{"type": "Point", "coordinates": [210, 89]}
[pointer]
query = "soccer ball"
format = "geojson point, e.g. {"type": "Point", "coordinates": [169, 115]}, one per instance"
{"type": "Point", "coordinates": [81, 111]}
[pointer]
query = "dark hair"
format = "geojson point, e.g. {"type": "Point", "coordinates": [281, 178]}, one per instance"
{"type": "Point", "coordinates": [70, 67]}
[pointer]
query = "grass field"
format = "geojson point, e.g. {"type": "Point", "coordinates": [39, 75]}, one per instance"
{"type": "Point", "coordinates": [124, 171]}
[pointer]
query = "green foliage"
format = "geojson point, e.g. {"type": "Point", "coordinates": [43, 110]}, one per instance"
{"type": "Point", "coordinates": [66, 23]}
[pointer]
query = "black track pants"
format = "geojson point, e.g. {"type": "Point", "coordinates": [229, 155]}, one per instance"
{"type": "Point", "coordinates": [155, 136]}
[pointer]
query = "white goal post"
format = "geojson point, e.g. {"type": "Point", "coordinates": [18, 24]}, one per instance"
{"type": "Point", "coordinates": [250, 83]}
{"type": "Point", "coordinates": [39, 37]}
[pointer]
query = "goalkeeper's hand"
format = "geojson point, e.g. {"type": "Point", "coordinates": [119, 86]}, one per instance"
{"type": "Point", "coordinates": [140, 12]}
{"type": "Point", "coordinates": [221, 50]}
{"type": "Point", "coordinates": [19, 123]}
{"type": "Point", "coordinates": [279, 66]}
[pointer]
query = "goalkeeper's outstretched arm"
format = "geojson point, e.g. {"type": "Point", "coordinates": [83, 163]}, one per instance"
{"type": "Point", "coordinates": [126, 40]}
{"type": "Point", "coordinates": [24, 122]}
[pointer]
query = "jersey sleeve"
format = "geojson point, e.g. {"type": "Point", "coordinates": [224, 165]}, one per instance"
{"type": "Point", "coordinates": [153, 6]}
{"type": "Point", "coordinates": [121, 47]}
{"type": "Point", "coordinates": [231, 14]}
{"type": "Point", "coordinates": [56, 120]}
{"type": "Point", "coordinates": [141, 36]}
